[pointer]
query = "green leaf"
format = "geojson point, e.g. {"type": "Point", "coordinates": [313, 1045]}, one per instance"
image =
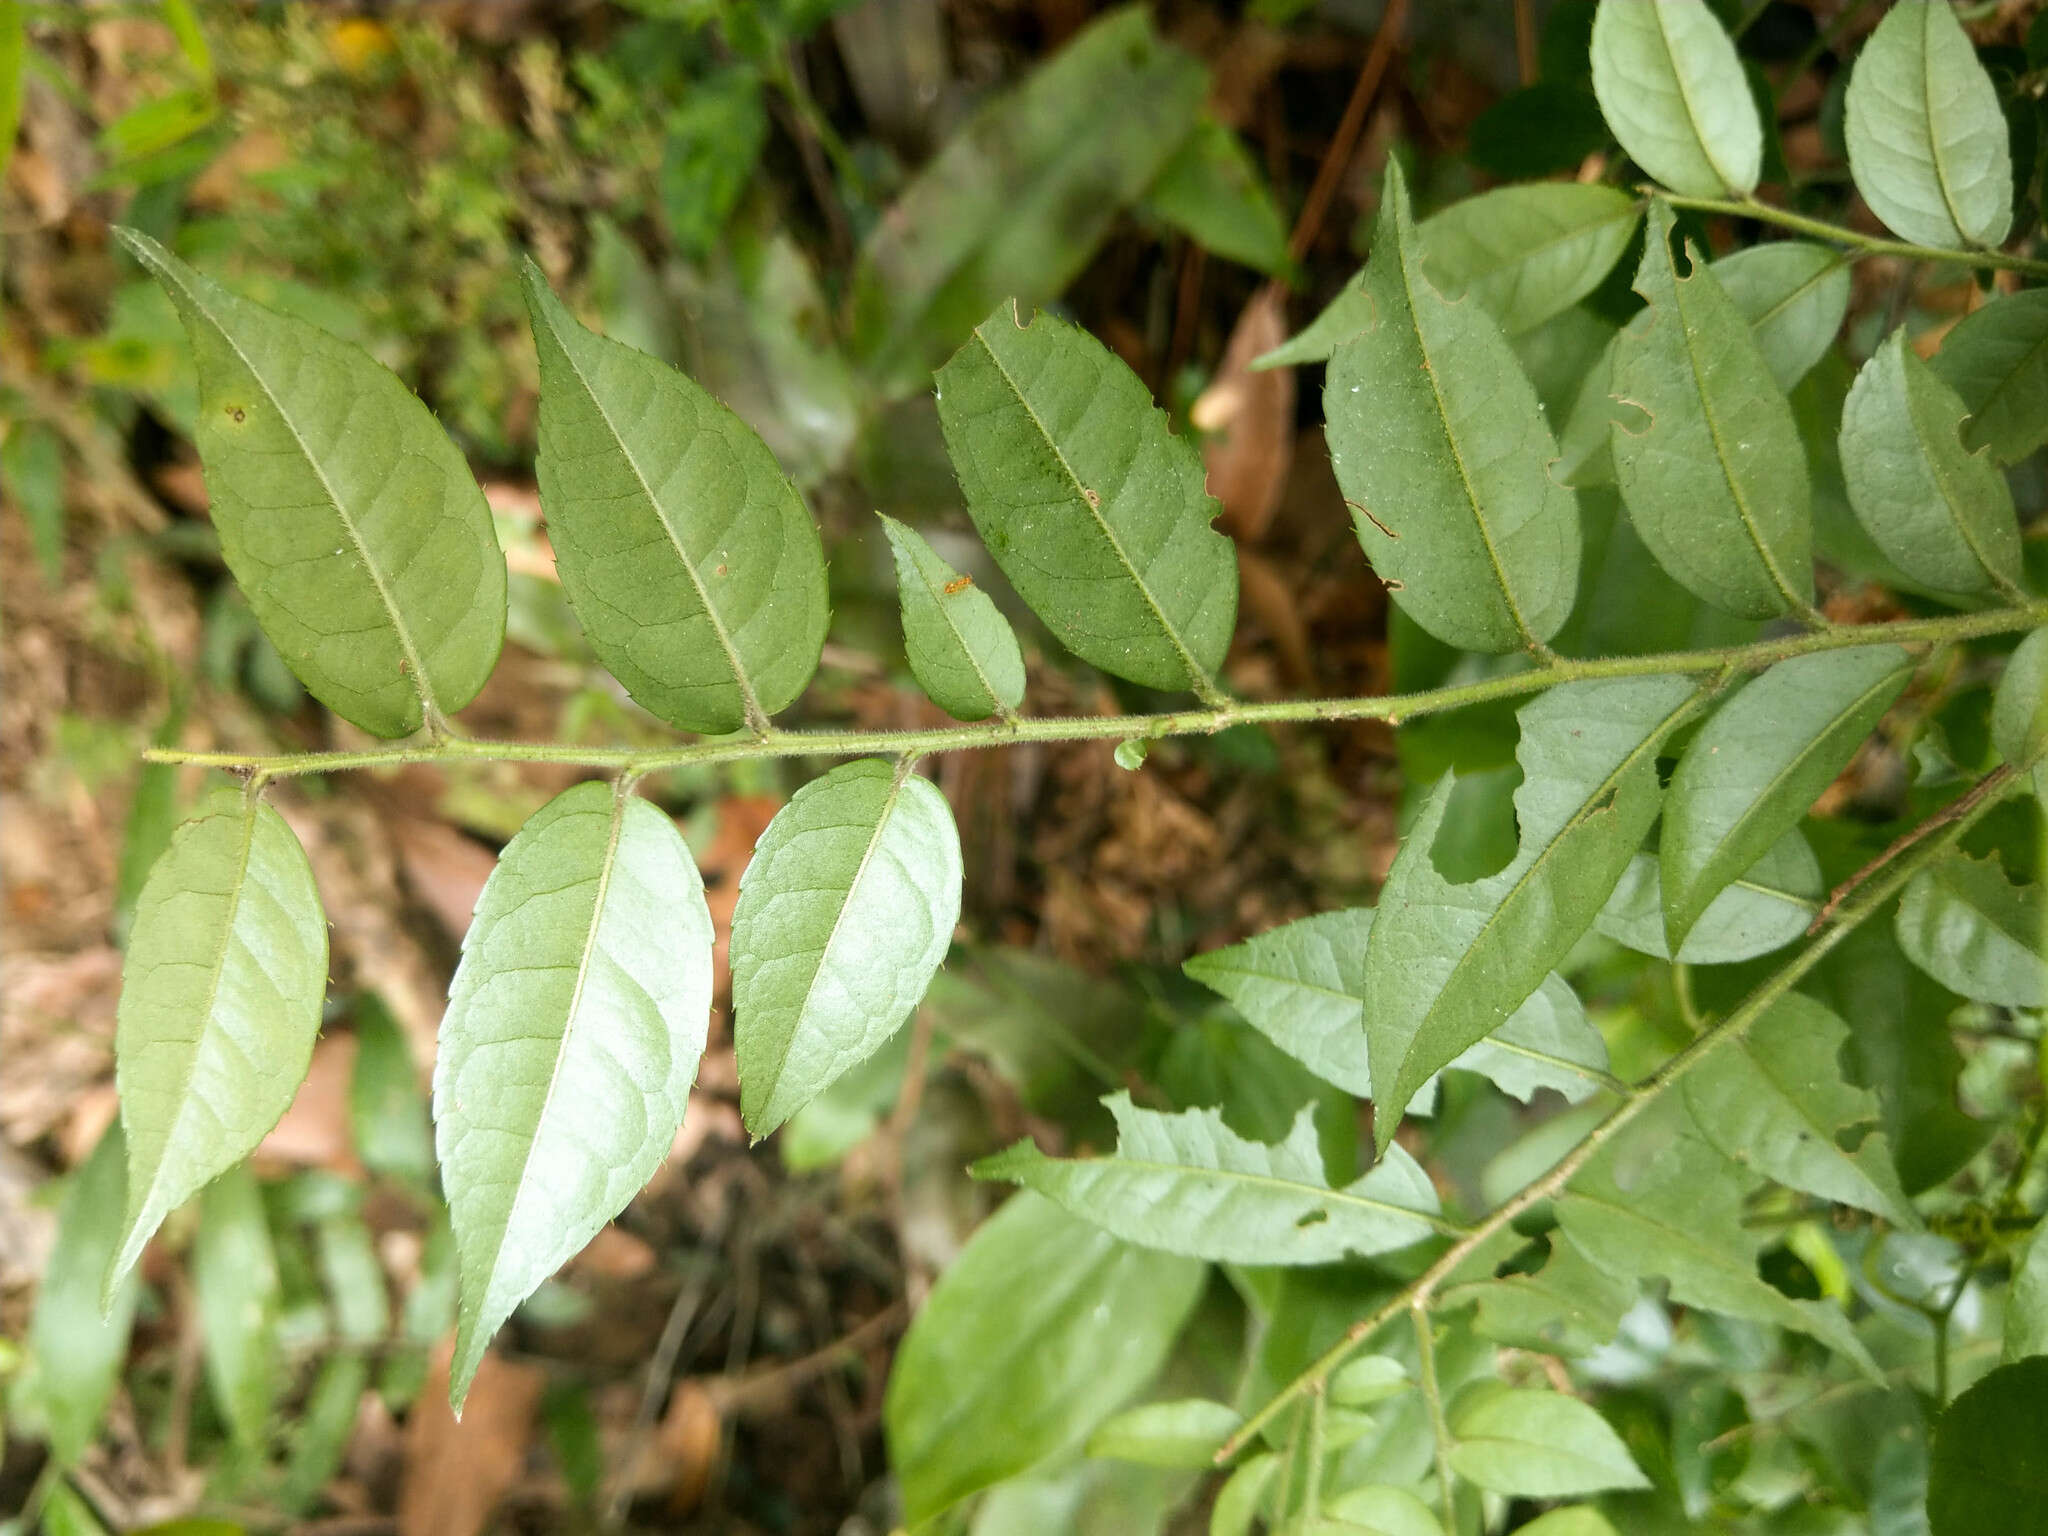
{"type": "Point", "coordinates": [1988, 1471]}
{"type": "Point", "coordinates": [571, 1039]}
{"type": "Point", "coordinates": [1996, 359]}
{"type": "Point", "coordinates": [962, 650]}
{"type": "Point", "coordinates": [1942, 514]}
{"type": "Point", "coordinates": [325, 1429]}
{"type": "Point", "coordinates": [1928, 143]}
{"type": "Point", "coordinates": [1212, 190]}
{"type": "Point", "coordinates": [1794, 295]}
{"type": "Point", "coordinates": [1760, 762]}
{"type": "Point", "coordinates": [1672, 89]}
{"type": "Point", "coordinates": [1188, 1184]}
{"type": "Point", "coordinates": [220, 1004]}
{"type": "Point", "coordinates": [1091, 506]}
{"type": "Point", "coordinates": [1018, 200]}
{"type": "Point", "coordinates": [1775, 1100]}
{"type": "Point", "coordinates": [1568, 1307]}
{"type": "Point", "coordinates": [1540, 1445]}
{"type": "Point", "coordinates": [2026, 1303]}
{"type": "Point", "coordinates": [2019, 710]}
{"type": "Point", "coordinates": [1447, 963]}
{"type": "Point", "coordinates": [686, 552]}
{"type": "Point", "coordinates": [353, 1280]}
{"type": "Point", "coordinates": [1442, 449]}
{"type": "Point", "coordinates": [1580, 1520]}
{"type": "Point", "coordinates": [1368, 1380]}
{"type": "Point", "coordinates": [1379, 1510]}
{"type": "Point", "coordinates": [387, 1112]}
{"type": "Point", "coordinates": [1183, 1433]}
{"type": "Point", "coordinates": [845, 911]}
{"type": "Point", "coordinates": [13, 61]}
{"type": "Point", "coordinates": [1974, 931]}
{"type": "Point", "coordinates": [1528, 252]}
{"type": "Point", "coordinates": [1715, 479]}
{"type": "Point", "coordinates": [348, 518]}
{"type": "Point", "coordinates": [1349, 314]}
{"type": "Point", "coordinates": [1039, 1331]}
{"type": "Point", "coordinates": [1765, 908]}
{"type": "Point", "coordinates": [32, 466]}
{"type": "Point", "coordinates": [1242, 1495]}
{"type": "Point", "coordinates": [235, 1288]}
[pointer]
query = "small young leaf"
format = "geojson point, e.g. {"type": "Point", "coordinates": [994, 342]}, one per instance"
{"type": "Point", "coordinates": [1568, 1307]}
{"type": "Point", "coordinates": [1091, 506]}
{"type": "Point", "coordinates": [962, 650]}
{"type": "Point", "coordinates": [1540, 1445]}
{"type": "Point", "coordinates": [1975, 932]}
{"type": "Point", "coordinates": [1760, 762]}
{"type": "Point", "coordinates": [1448, 963]}
{"type": "Point", "coordinates": [845, 911]}
{"type": "Point", "coordinates": [1377, 1509]}
{"type": "Point", "coordinates": [1349, 314]}
{"type": "Point", "coordinates": [1367, 1380]}
{"type": "Point", "coordinates": [1996, 360]}
{"type": "Point", "coordinates": [1530, 252]}
{"type": "Point", "coordinates": [2026, 1303]}
{"type": "Point", "coordinates": [1040, 1330]}
{"type": "Point", "coordinates": [1715, 480]}
{"type": "Point", "coordinates": [1184, 1433]}
{"type": "Point", "coordinates": [1579, 1520]}
{"type": "Point", "coordinates": [1794, 295]}
{"type": "Point", "coordinates": [348, 518]}
{"type": "Point", "coordinates": [1765, 908]}
{"type": "Point", "coordinates": [235, 1288]}
{"type": "Point", "coordinates": [1942, 514]}
{"type": "Point", "coordinates": [1775, 1100]}
{"type": "Point", "coordinates": [1243, 1494]}
{"type": "Point", "coordinates": [2019, 711]}
{"type": "Point", "coordinates": [1989, 1462]}
{"type": "Point", "coordinates": [686, 552]}
{"type": "Point", "coordinates": [1441, 447]}
{"type": "Point", "coordinates": [1213, 190]}
{"type": "Point", "coordinates": [572, 1035]}
{"type": "Point", "coordinates": [1928, 143]}
{"type": "Point", "coordinates": [220, 1004]}
{"type": "Point", "coordinates": [1188, 1184]}
{"type": "Point", "coordinates": [1672, 89]}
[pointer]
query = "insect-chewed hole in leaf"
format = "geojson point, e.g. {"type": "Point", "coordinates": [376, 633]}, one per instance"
{"type": "Point", "coordinates": [1480, 833]}
{"type": "Point", "coordinates": [1788, 1274]}
{"type": "Point", "coordinates": [1312, 1218]}
{"type": "Point", "coordinates": [1630, 417]}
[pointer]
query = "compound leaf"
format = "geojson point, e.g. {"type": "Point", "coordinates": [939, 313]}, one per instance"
{"type": "Point", "coordinates": [1996, 360]}
{"type": "Point", "coordinates": [572, 1035]}
{"type": "Point", "coordinates": [1188, 1184]}
{"type": "Point", "coordinates": [220, 1005]}
{"type": "Point", "coordinates": [688, 555]}
{"type": "Point", "coordinates": [1672, 88]}
{"type": "Point", "coordinates": [1093, 508]}
{"type": "Point", "coordinates": [845, 911]}
{"type": "Point", "coordinates": [1794, 295]}
{"type": "Point", "coordinates": [1540, 1445]}
{"type": "Point", "coordinates": [348, 518]}
{"type": "Point", "coordinates": [1442, 449]}
{"type": "Point", "coordinates": [962, 650]}
{"type": "Point", "coordinates": [1528, 252]}
{"type": "Point", "coordinates": [1764, 908]}
{"type": "Point", "coordinates": [1974, 931]}
{"type": "Point", "coordinates": [236, 1291]}
{"type": "Point", "coordinates": [1928, 143]}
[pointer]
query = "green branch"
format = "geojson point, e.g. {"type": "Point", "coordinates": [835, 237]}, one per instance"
{"type": "Point", "coordinates": [1838, 234]}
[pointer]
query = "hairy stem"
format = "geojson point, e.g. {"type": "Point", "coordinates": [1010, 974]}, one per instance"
{"type": "Point", "coordinates": [1433, 1395]}
{"type": "Point", "coordinates": [1838, 234]}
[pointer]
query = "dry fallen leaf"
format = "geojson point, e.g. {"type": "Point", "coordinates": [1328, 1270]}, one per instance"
{"type": "Point", "coordinates": [1251, 419]}
{"type": "Point", "coordinates": [455, 1473]}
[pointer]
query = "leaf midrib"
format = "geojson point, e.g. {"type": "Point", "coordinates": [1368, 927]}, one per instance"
{"type": "Point", "coordinates": [1927, 99]}
{"type": "Point", "coordinates": [1944, 482]}
{"type": "Point", "coordinates": [1692, 117]}
{"type": "Point", "coordinates": [1313, 1192]}
{"type": "Point", "coordinates": [1523, 255]}
{"type": "Point", "coordinates": [996, 705]}
{"type": "Point", "coordinates": [1823, 1134]}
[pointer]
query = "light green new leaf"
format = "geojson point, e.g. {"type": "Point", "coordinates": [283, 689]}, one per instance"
{"type": "Point", "coordinates": [1765, 908]}
{"type": "Point", "coordinates": [962, 650]}
{"type": "Point", "coordinates": [690, 558]}
{"type": "Point", "coordinates": [1212, 189]}
{"type": "Point", "coordinates": [845, 910]}
{"type": "Point", "coordinates": [1794, 295]}
{"type": "Point", "coordinates": [1183, 1433]}
{"type": "Point", "coordinates": [1448, 963]}
{"type": "Point", "coordinates": [2019, 710]}
{"type": "Point", "coordinates": [235, 1287]}
{"type": "Point", "coordinates": [1996, 359]}
{"type": "Point", "coordinates": [1568, 1307]}
{"type": "Point", "coordinates": [1975, 932]}
{"type": "Point", "coordinates": [1442, 449]}
{"type": "Point", "coordinates": [1540, 1445]}
{"type": "Point", "coordinates": [1715, 479]}
{"type": "Point", "coordinates": [572, 1035]}
{"type": "Point", "coordinates": [1188, 1184]}
{"type": "Point", "coordinates": [220, 1004]}
{"type": "Point", "coordinates": [1093, 508]}
{"type": "Point", "coordinates": [1377, 1510]}
{"type": "Point", "coordinates": [1040, 1330]}
{"type": "Point", "coordinates": [1579, 1520]}
{"type": "Point", "coordinates": [1928, 142]}
{"type": "Point", "coordinates": [1757, 766]}
{"type": "Point", "coordinates": [348, 518]}
{"type": "Point", "coordinates": [2026, 1303]}
{"type": "Point", "coordinates": [1672, 89]}
{"type": "Point", "coordinates": [1942, 514]}
{"type": "Point", "coordinates": [1989, 1462]}
{"type": "Point", "coordinates": [1776, 1100]}
{"type": "Point", "coordinates": [1367, 1380]}
{"type": "Point", "coordinates": [1528, 252]}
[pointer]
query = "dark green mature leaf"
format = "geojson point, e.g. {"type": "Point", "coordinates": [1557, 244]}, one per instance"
{"type": "Point", "coordinates": [1448, 963]}
{"type": "Point", "coordinates": [571, 1039]}
{"type": "Point", "coordinates": [1188, 1184]}
{"type": "Point", "coordinates": [1765, 908]}
{"type": "Point", "coordinates": [1996, 359]}
{"type": "Point", "coordinates": [962, 650]}
{"type": "Point", "coordinates": [1942, 514]}
{"type": "Point", "coordinates": [1989, 1467]}
{"type": "Point", "coordinates": [1928, 143]}
{"type": "Point", "coordinates": [349, 519]}
{"type": "Point", "coordinates": [220, 1004]}
{"type": "Point", "coordinates": [1775, 1100]}
{"type": "Point", "coordinates": [845, 911]}
{"type": "Point", "coordinates": [1975, 932]}
{"type": "Point", "coordinates": [1794, 295]}
{"type": "Point", "coordinates": [1628, 604]}
{"type": "Point", "coordinates": [1212, 189]}
{"type": "Point", "coordinates": [1442, 449]}
{"type": "Point", "coordinates": [1529, 252]}
{"type": "Point", "coordinates": [1091, 506]}
{"type": "Point", "coordinates": [2026, 1303]}
{"type": "Point", "coordinates": [687, 554]}
{"type": "Point", "coordinates": [236, 1290]}
{"type": "Point", "coordinates": [1019, 199]}
{"type": "Point", "coordinates": [1568, 1307]}
{"type": "Point", "coordinates": [1672, 89]}
{"type": "Point", "coordinates": [1182, 1433]}
{"type": "Point", "coordinates": [1715, 480]}
{"type": "Point", "coordinates": [1039, 1331]}
{"type": "Point", "coordinates": [1541, 1445]}
{"type": "Point", "coordinates": [1760, 762]}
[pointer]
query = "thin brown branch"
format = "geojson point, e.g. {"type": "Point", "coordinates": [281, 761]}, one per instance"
{"type": "Point", "coordinates": [1961, 806]}
{"type": "Point", "coordinates": [1344, 142]}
